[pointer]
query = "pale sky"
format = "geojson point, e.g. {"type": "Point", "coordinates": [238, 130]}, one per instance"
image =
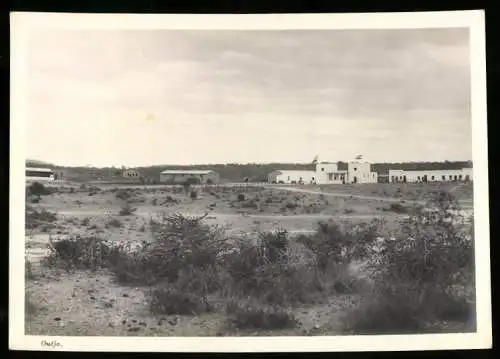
{"type": "Point", "coordinates": [139, 98]}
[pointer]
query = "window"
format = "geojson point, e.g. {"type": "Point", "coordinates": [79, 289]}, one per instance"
{"type": "Point", "coordinates": [330, 176]}
{"type": "Point", "coordinates": [418, 178]}
{"type": "Point", "coordinates": [459, 176]}
{"type": "Point", "coordinates": [322, 169]}
{"type": "Point", "coordinates": [432, 177]}
{"type": "Point", "coordinates": [451, 177]}
{"type": "Point", "coordinates": [443, 177]}
{"type": "Point", "coordinates": [355, 168]}
{"type": "Point", "coordinates": [288, 178]}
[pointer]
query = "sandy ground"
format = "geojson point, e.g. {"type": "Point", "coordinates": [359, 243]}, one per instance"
{"type": "Point", "coordinates": [85, 303]}
{"type": "Point", "coordinates": [88, 304]}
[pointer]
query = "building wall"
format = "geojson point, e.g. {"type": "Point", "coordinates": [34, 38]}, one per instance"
{"type": "Point", "coordinates": [360, 172]}
{"type": "Point", "coordinates": [329, 173]}
{"type": "Point", "coordinates": [463, 174]}
{"type": "Point", "coordinates": [290, 176]}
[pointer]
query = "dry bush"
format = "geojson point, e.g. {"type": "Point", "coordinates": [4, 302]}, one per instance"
{"type": "Point", "coordinates": [123, 194]}
{"type": "Point", "coordinates": [173, 301]}
{"type": "Point", "coordinates": [416, 276]}
{"type": "Point", "coordinates": [397, 208]}
{"type": "Point", "coordinates": [252, 315]}
{"type": "Point", "coordinates": [38, 189]}
{"type": "Point", "coordinates": [116, 223]}
{"type": "Point", "coordinates": [270, 270]}
{"type": "Point", "coordinates": [126, 209]}
{"type": "Point", "coordinates": [78, 252]}
{"type": "Point", "coordinates": [36, 218]}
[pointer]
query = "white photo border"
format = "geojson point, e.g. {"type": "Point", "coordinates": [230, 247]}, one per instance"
{"type": "Point", "coordinates": [23, 23]}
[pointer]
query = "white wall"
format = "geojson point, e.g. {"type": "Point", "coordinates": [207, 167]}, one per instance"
{"type": "Point", "coordinates": [432, 176]}
{"type": "Point", "coordinates": [329, 173]}
{"type": "Point", "coordinates": [288, 176]}
{"type": "Point", "coordinates": [360, 172]}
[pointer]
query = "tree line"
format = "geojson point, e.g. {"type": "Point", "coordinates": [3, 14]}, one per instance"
{"type": "Point", "coordinates": [254, 172]}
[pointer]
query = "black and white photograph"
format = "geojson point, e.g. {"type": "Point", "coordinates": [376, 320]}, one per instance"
{"type": "Point", "coordinates": [215, 181]}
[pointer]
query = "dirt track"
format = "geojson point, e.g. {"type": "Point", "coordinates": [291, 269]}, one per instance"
{"type": "Point", "coordinates": [464, 203]}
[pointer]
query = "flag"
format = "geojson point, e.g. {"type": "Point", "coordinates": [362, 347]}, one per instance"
{"type": "Point", "coordinates": [358, 157]}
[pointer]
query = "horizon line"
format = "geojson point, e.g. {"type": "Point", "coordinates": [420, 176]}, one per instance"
{"type": "Point", "coordinates": [47, 163]}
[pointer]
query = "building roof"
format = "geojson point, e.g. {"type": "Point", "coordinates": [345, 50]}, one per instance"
{"type": "Point", "coordinates": [188, 172]}
{"type": "Point", "coordinates": [38, 169]}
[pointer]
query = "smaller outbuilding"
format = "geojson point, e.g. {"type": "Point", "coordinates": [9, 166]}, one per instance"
{"type": "Point", "coordinates": [131, 174]}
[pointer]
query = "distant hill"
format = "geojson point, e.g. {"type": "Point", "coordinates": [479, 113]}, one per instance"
{"type": "Point", "coordinates": [37, 163]}
{"type": "Point", "coordinates": [233, 172]}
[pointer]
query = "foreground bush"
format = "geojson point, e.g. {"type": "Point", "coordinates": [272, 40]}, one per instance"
{"type": "Point", "coordinates": [423, 275]}
{"type": "Point", "coordinates": [79, 252]}
{"type": "Point", "coordinates": [254, 316]}
{"type": "Point", "coordinates": [38, 189]}
{"type": "Point", "coordinates": [272, 270]}
{"type": "Point", "coordinates": [35, 218]}
{"type": "Point", "coordinates": [126, 209]}
{"type": "Point", "coordinates": [172, 301]}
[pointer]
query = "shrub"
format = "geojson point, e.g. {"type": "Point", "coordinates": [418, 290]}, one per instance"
{"type": "Point", "coordinates": [126, 209]}
{"type": "Point", "coordinates": [172, 301]}
{"type": "Point", "coordinates": [415, 274]}
{"type": "Point", "coordinates": [270, 270]}
{"type": "Point", "coordinates": [116, 223]}
{"type": "Point", "coordinates": [170, 199]}
{"type": "Point", "coordinates": [291, 205]}
{"type": "Point", "coordinates": [397, 208]}
{"type": "Point", "coordinates": [193, 194]}
{"type": "Point", "coordinates": [123, 194]}
{"type": "Point", "coordinates": [249, 204]}
{"type": "Point", "coordinates": [241, 197]}
{"type": "Point", "coordinates": [253, 316]}
{"type": "Point", "coordinates": [85, 221]}
{"type": "Point", "coordinates": [35, 218]}
{"type": "Point", "coordinates": [81, 253]}
{"type": "Point", "coordinates": [38, 189]}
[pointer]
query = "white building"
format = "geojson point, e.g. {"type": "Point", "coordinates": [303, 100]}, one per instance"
{"type": "Point", "coordinates": [39, 174]}
{"type": "Point", "coordinates": [464, 174]}
{"type": "Point", "coordinates": [327, 173]}
{"type": "Point", "coordinates": [291, 176]}
{"type": "Point", "coordinates": [193, 176]}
